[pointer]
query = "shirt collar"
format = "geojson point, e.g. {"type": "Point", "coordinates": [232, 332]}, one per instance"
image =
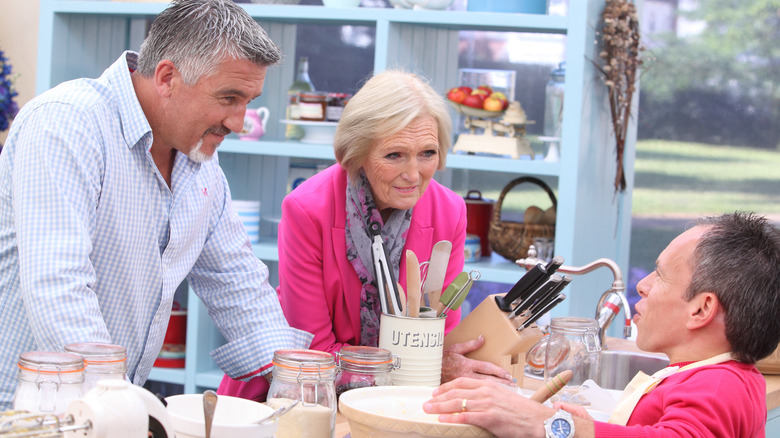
{"type": "Point", "coordinates": [135, 126]}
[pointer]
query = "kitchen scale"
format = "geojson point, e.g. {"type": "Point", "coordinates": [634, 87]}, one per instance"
{"type": "Point", "coordinates": [502, 137]}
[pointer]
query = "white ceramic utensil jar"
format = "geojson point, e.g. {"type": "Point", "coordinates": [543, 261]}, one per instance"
{"type": "Point", "coordinates": [573, 345]}
{"type": "Point", "coordinates": [307, 376]}
{"type": "Point", "coordinates": [48, 381]}
{"type": "Point", "coordinates": [101, 361]}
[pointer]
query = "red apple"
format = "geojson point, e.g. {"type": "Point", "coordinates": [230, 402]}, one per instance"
{"type": "Point", "coordinates": [493, 104]}
{"type": "Point", "coordinates": [456, 95]}
{"type": "Point", "coordinates": [465, 89]}
{"type": "Point", "coordinates": [486, 88]}
{"type": "Point", "coordinates": [481, 92]}
{"type": "Point", "coordinates": [474, 101]}
{"type": "Point", "coordinates": [500, 96]}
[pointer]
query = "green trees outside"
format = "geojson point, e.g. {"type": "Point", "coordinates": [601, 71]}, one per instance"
{"type": "Point", "coordinates": [719, 86]}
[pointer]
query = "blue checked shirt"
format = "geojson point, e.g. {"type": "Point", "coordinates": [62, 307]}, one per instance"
{"type": "Point", "coordinates": [93, 243]}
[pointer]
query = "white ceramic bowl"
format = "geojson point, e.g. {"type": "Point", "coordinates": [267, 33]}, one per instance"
{"type": "Point", "coordinates": [396, 411]}
{"type": "Point", "coordinates": [315, 132]}
{"type": "Point", "coordinates": [231, 417]}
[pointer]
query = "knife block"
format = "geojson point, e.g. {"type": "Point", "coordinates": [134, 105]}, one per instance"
{"type": "Point", "coordinates": [504, 345]}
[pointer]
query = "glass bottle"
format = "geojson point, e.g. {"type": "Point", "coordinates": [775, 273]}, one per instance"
{"type": "Point", "coordinates": [101, 361]}
{"type": "Point", "coordinates": [302, 82]}
{"type": "Point", "coordinates": [361, 366]}
{"type": "Point", "coordinates": [307, 376]}
{"type": "Point", "coordinates": [573, 345]}
{"type": "Point", "coordinates": [553, 102]}
{"type": "Point", "coordinates": [48, 381]}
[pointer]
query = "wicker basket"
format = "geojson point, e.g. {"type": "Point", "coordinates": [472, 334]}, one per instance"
{"type": "Point", "coordinates": [512, 239]}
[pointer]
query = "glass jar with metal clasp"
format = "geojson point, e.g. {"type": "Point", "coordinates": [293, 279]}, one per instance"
{"type": "Point", "coordinates": [48, 381]}
{"type": "Point", "coordinates": [361, 366]}
{"type": "Point", "coordinates": [101, 362]}
{"type": "Point", "coordinates": [305, 376]}
{"type": "Point", "coordinates": [573, 345]}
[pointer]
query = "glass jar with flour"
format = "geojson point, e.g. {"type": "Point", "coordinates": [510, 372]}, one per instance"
{"type": "Point", "coordinates": [307, 376]}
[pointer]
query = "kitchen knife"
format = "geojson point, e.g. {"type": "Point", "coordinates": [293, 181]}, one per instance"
{"type": "Point", "coordinates": [413, 295]}
{"type": "Point", "coordinates": [542, 291]}
{"type": "Point", "coordinates": [542, 311]}
{"type": "Point", "coordinates": [554, 264]}
{"type": "Point", "coordinates": [543, 301]}
{"type": "Point", "coordinates": [527, 284]}
{"type": "Point", "coordinates": [437, 270]}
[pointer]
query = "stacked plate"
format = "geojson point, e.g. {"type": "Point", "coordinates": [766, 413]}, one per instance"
{"type": "Point", "coordinates": [249, 213]}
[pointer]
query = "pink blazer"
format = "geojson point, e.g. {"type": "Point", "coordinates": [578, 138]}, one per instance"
{"type": "Point", "coordinates": [318, 288]}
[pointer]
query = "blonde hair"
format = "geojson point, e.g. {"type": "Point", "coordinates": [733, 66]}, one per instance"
{"type": "Point", "coordinates": [387, 103]}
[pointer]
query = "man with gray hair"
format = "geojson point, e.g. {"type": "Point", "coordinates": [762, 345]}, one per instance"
{"type": "Point", "coordinates": [109, 199]}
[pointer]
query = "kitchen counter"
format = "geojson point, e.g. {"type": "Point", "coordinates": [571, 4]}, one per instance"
{"type": "Point", "coordinates": [772, 389]}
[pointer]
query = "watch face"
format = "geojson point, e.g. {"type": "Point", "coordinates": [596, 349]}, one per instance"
{"type": "Point", "coordinates": [560, 428]}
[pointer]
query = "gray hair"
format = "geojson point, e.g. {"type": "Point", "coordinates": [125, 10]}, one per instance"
{"type": "Point", "coordinates": [384, 105]}
{"type": "Point", "coordinates": [738, 259]}
{"type": "Point", "coordinates": [197, 35]}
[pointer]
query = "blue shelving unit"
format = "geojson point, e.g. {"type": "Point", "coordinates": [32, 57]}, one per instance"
{"type": "Point", "coordinates": [81, 38]}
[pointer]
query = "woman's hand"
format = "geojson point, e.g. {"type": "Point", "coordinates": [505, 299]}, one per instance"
{"type": "Point", "coordinates": [455, 364]}
{"type": "Point", "coordinates": [492, 406]}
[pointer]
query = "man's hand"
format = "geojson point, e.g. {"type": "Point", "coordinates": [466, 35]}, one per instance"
{"type": "Point", "coordinates": [455, 364]}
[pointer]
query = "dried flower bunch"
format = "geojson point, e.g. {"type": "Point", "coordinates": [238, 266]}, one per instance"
{"type": "Point", "coordinates": [620, 61]}
{"type": "Point", "coordinates": [8, 107]}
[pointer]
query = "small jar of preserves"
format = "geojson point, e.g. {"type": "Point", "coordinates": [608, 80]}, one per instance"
{"type": "Point", "coordinates": [312, 105]}
{"type": "Point", "coordinates": [361, 366]}
{"type": "Point", "coordinates": [48, 381]}
{"type": "Point", "coordinates": [336, 102]}
{"type": "Point", "coordinates": [307, 376]}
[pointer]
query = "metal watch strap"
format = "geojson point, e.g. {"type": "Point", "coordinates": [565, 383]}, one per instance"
{"type": "Point", "coordinates": [552, 426]}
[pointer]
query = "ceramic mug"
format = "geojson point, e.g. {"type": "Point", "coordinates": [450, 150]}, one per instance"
{"type": "Point", "coordinates": [254, 124]}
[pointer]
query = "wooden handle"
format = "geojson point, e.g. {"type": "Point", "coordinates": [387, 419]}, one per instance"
{"type": "Point", "coordinates": [552, 386]}
{"type": "Point", "coordinates": [413, 292]}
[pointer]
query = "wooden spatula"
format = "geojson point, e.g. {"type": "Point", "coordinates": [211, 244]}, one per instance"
{"type": "Point", "coordinates": [413, 292]}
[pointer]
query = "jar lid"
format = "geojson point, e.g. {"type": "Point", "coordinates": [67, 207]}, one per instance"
{"type": "Point", "coordinates": [304, 360]}
{"type": "Point", "coordinates": [472, 238]}
{"type": "Point", "coordinates": [362, 355]}
{"type": "Point", "coordinates": [574, 324]}
{"type": "Point", "coordinates": [315, 95]}
{"type": "Point", "coordinates": [560, 71]}
{"type": "Point", "coordinates": [51, 362]}
{"type": "Point", "coordinates": [95, 352]}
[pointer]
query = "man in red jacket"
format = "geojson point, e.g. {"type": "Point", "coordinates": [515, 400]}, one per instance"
{"type": "Point", "coordinates": [711, 305]}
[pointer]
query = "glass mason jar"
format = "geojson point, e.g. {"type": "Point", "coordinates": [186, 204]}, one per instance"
{"type": "Point", "coordinates": [361, 366]}
{"type": "Point", "coordinates": [312, 105]}
{"type": "Point", "coordinates": [48, 381]}
{"type": "Point", "coordinates": [573, 345]}
{"type": "Point", "coordinates": [101, 361]}
{"type": "Point", "coordinates": [307, 376]}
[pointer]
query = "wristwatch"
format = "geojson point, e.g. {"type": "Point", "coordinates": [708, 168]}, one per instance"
{"type": "Point", "coordinates": [559, 425]}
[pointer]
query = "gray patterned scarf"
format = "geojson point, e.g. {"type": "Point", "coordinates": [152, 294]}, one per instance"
{"type": "Point", "coordinates": [362, 210]}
